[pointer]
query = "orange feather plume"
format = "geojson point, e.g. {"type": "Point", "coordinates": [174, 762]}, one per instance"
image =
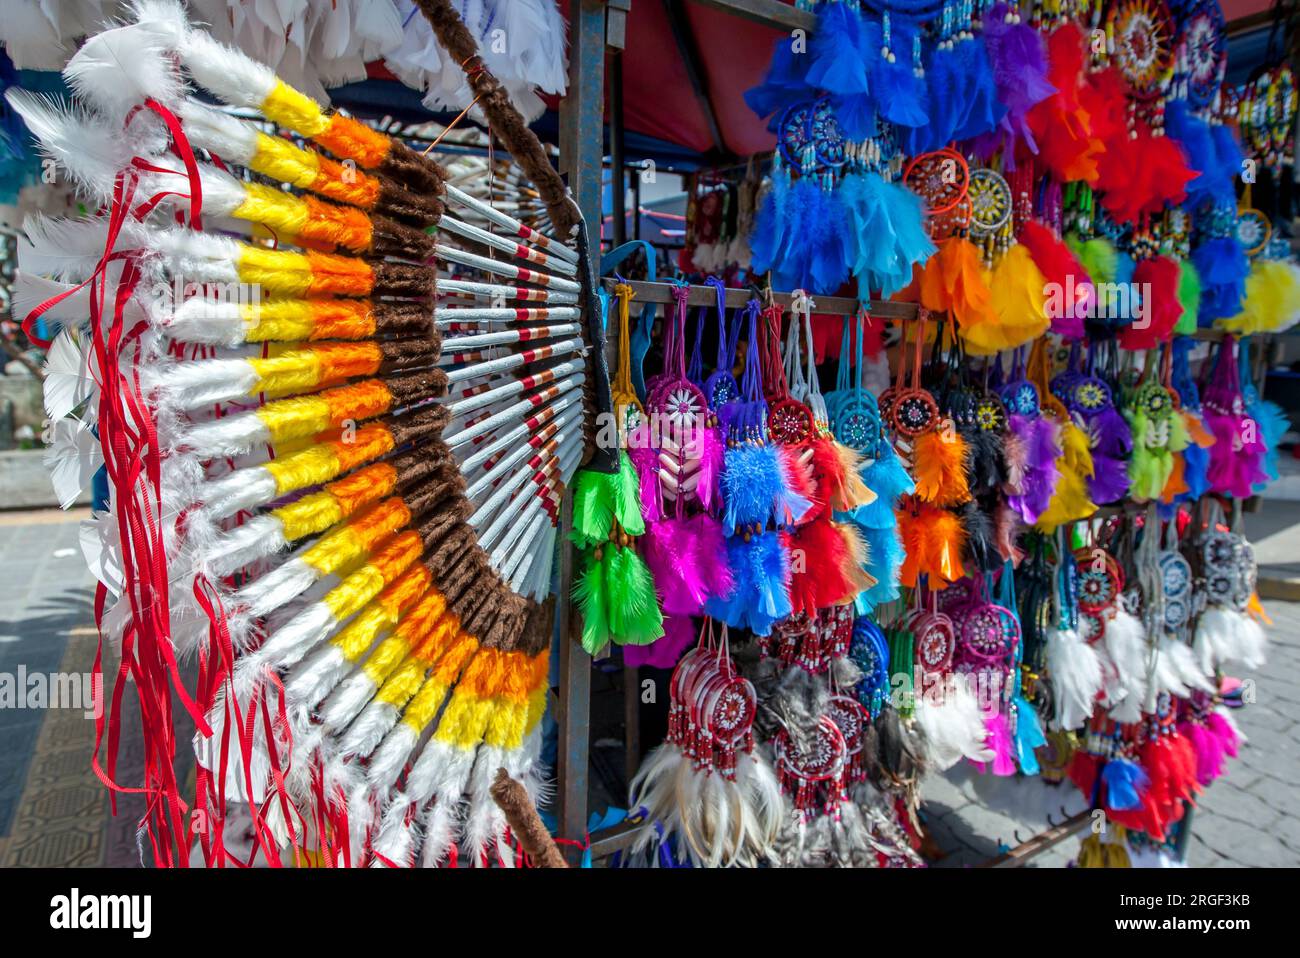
{"type": "Point", "coordinates": [940, 466]}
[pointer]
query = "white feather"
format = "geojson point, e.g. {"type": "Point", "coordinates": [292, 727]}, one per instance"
{"type": "Point", "coordinates": [214, 322]}
{"type": "Point", "coordinates": [1252, 643]}
{"type": "Point", "coordinates": [232, 436]}
{"type": "Point", "coordinates": [1214, 642]}
{"type": "Point", "coordinates": [1183, 662]}
{"type": "Point", "coordinates": [317, 675]}
{"type": "Point", "coordinates": [89, 150]}
{"type": "Point", "coordinates": [242, 490]}
{"type": "Point", "coordinates": [243, 545]}
{"type": "Point", "coordinates": [187, 385]}
{"type": "Point", "coordinates": [387, 761]}
{"type": "Point", "coordinates": [73, 458]}
{"type": "Point", "coordinates": [69, 383]}
{"type": "Point", "coordinates": [369, 729]}
{"type": "Point", "coordinates": [1075, 672]}
{"type": "Point", "coordinates": [347, 700]}
{"type": "Point", "coordinates": [68, 250]}
{"type": "Point", "coordinates": [953, 723]}
{"type": "Point", "coordinates": [31, 38]}
{"type": "Point", "coordinates": [232, 139]}
{"type": "Point", "coordinates": [396, 840]}
{"type": "Point", "coordinates": [102, 550]}
{"type": "Point", "coordinates": [227, 73]}
{"type": "Point", "coordinates": [1125, 642]}
{"type": "Point", "coordinates": [277, 587]}
{"type": "Point", "coordinates": [119, 69]}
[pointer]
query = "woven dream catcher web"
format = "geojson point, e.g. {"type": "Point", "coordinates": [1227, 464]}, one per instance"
{"type": "Point", "coordinates": [335, 499]}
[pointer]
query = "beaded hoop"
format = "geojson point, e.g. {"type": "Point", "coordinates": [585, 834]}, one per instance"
{"type": "Point", "coordinates": [940, 177]}
{"type": "Point", "coordinates": [1143, 32]}
{"type": "Point", "coordinates": [935, 641]}
{"type": "Point", "coordinates": [990, 632]}
{"type": "Point", "coordinates": [1202, 51]}
{"type": "Point", "coordinates": [1100, 580]}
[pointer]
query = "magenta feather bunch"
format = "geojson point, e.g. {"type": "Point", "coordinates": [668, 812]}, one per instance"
{"type": "Point", "coordinates": [1002, 744]}
{"type": "Point", "coordinates": [688, 558]}
{"type": "Point", "coordinates": [711, 448]}
{"type": "Point", "coordinates": [663, 653]}
{"type": "Point", "coordinates": [645, 459]}
{"type": "Point", "coordinates": [1237, 456]}
{"type": "Point", "coordinates": [1207, 749]}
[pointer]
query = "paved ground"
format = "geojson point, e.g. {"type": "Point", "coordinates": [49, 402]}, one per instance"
{"type": "Point", "coordinates": [1250, 817]}
{"type": "Point", "coordinates": [53, 811]}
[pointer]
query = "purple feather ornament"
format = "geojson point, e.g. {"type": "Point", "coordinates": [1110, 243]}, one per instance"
{"type": "Point", "coordinates": [1019, 59]}
{"type": "Point", "coordinates": [1109, 432]}
{"type": "Point", "coordinates": [1109, 482]}
{"type": "Point", "coordinates": [1038, 476]}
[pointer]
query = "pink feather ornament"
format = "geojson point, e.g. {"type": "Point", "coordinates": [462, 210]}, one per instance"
{"type": "Point", "coordinates": [999, 740]}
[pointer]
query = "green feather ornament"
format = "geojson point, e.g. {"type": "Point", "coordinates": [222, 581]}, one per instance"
{"type": "Point", "coordinates": [1189, 297]}
{"type": "Point", "coordinates": [589, 594]}
{"type": "Point", "coordinates": [600, 499]}
{"type": "Point", "coordinates": [1098, 257]}
{"type": "Point", "coordinates": [616, 597]}
{"type": "Point", "coordinates": [634, 614]}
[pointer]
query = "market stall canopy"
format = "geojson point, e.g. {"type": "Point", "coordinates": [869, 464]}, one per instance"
{"type": "Point", "coordinates": [685, 70]}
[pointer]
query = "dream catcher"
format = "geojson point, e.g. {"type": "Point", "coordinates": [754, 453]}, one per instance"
{"type": "Point", "coordinates": [1253, 230]}
{"type": "Point", "coordinates": [678, 455]}
{"type": "Point", "coordinates": [789, 420]}
{"type": "Point", "coordinates": [1158, 432]}
{"type": "Point", "coordinates": [1224, 573]}
{"type": "Point", "coordinates": [1141, 44]}
{"type": "Point", "coordinates": [869, 650]}
{"type": "Point", "coordinates": [1238, 453]}
{"type": "Point", "coordinates": [614, 588]}
{"type": "Point", "coordinates": [810, 139]}
{"type": "Point", "coordinates": [857, 424]}
{"type": "Point", "coordinates": [942, 179]}
{"type": "Point", "coordinates": [1201, 52]}
{"type": "Point", "coordinates": [910, 408]}
{"type": "Point", "coordinates": [811, 767]}
{"type": "Point", "coordinates": [1099, 585]}
{"type": "Point", "coordinates": [721, 388]}
{"type": "Point", "coordinates": [705, 788]}
{"type": "Point", "coordinates": [370, 484]}
{"type": "Point", "coordinates": [627, 405]}
{"type": "Point", "coordinates": [1091, 402]}
{"type": "Point", "coordinates": [1031, 448]}
{"type": "Point", "coordinates": [934, 639]}
{"type": "Point", "coordinates": [989, 196]}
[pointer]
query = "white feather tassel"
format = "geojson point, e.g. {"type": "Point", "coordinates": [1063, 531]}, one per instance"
{"type": "Point", "coordinates": [1075, 672]}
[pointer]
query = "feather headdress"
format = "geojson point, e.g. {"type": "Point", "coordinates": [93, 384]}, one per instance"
{"type": "Point", "coordinates": [352, 491]}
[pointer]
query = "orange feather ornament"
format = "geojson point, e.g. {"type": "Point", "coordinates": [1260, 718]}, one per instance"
{"type": "Point", "coordinates": [939, 467]}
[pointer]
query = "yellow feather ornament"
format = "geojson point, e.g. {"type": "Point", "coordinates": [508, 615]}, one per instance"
{"type": "Point", "coordinates": [1272, 301]}
{"type": "Point", "coordinates": [1019, 313]}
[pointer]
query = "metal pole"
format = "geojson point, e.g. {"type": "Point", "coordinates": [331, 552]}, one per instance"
{"type": "Point", "coordinates": [617, 163]}
{"type": "Point", "coordinates": [581, 158]}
